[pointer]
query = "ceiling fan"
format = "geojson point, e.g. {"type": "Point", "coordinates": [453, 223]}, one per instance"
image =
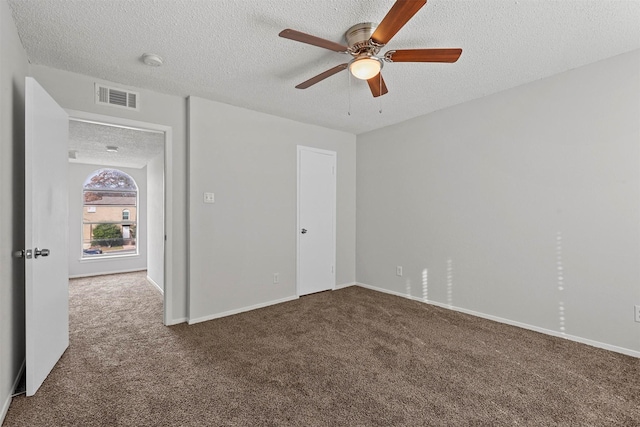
{"type": "Point", "coordinates": [365, 40]}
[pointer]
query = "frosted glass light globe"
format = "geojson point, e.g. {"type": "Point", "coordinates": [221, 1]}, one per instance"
{"type": "Point", "coordinates": [365, 68]}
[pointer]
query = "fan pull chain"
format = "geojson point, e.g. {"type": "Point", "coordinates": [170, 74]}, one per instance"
{"type": "Point", "coordinates": [380, 97]}
{"type": "Point", "coordinates": [349, 110]}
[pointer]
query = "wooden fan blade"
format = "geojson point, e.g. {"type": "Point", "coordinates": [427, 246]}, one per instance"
{"type": "Point", "coordinates": [400, 13]}
{"type": "Point", "coordinates": [312, 40]}
{"type": "Point", "coordinates": [322, 76]}
{"type": "Point", "coordinates": [377, 86]}
{"type": "Point", "coordinates": [424, 55]}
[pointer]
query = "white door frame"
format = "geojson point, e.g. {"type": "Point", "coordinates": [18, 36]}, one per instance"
{"type": "Point", "coordinates": [168, 318]}
{"type": "Point", "coordinates": [333, 154]}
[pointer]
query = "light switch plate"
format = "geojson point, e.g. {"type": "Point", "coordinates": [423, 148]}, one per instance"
{"type": "Point", "coordinates": [209, 198]}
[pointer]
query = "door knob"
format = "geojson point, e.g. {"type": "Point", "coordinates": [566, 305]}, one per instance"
{"type": "Point", "coordinates": [40, 252]}
{"type": "Point", "coordinates": [303, 231]}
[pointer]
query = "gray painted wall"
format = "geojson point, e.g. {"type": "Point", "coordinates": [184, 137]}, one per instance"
{"type": "Point", "coordinates": [480, 203]}
{"type": "Point", "coordinates": [78, 267]}
{"type": "Point", "coordinates": [155, 221]}
{"type": "Point", "coordinates": [248, 160]}
{"type": "Point", "coordinates": [524, 205]}
{"type": "Point", "coordinates": [76, 92]}
{"type": "Point", "coordinates": [13, 69]}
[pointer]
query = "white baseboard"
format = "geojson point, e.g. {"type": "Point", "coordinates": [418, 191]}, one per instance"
{"type": "Point", "coordinates": [7, 402]}
{"type": "Point", "coordinates": [581, 340]}
{"type": "Point", "coordinates": [153, 282]}
{"type": "Point", "coordinates": [253, 307]}
{"type": "Point", "coordinates": [241, 310]}
{"type": "Point", "coordinates": [104, 273]}
{"type": "Point", "coordinates": [344, 285]}
{"type": "Point", "coordinates": [177, 321]}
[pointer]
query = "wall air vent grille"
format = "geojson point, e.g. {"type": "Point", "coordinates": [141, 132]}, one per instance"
{"type": "Point", "coordinates": [132, 100]}
{"type": "Point", "coordinates": [117, 97]}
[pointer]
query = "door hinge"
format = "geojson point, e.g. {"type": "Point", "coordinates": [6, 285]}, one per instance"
{"type": "Point", "coordinates": [333, 170]}
{"type": "Point", "coordinates": [332, 269]}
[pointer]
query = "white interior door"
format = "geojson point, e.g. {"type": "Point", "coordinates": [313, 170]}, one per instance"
{"type": "Point", "coordinates": [316, 220]}
{"type": "Point", "coordinates": [46, 234]}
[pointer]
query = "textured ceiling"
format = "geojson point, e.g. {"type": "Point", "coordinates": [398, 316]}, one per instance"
{"type": "Point", "coordinates": [88, 144]}
{"type": "Point", "coordinates": [229, 50]}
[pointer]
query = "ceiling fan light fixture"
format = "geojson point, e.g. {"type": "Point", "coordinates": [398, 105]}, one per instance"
{"type": "Point", "coordinates": [365, 68]}
{"type": "Point", "coordinates": [364, 41]}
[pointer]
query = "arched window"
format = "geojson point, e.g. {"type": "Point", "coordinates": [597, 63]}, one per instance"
{"type": "Point", "coordinates": [109, 219]}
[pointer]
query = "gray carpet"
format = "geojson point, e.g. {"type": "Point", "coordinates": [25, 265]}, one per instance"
{"type": "Point", "coordinates": [351, 357]}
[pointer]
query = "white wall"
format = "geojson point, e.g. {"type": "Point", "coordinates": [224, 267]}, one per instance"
{"type": "Point", "coordinates": [13, 69]}
{"type": "Point", "coordinates": [524, 205]}
{"type": "Point", "coordinates": [79, 267]}
{"type": "Point", "coordinates": [248, 160]}
{"type": "Point", "coordinates": [76, 92]}
{"type": "Point", "coordinates": [155, 221]}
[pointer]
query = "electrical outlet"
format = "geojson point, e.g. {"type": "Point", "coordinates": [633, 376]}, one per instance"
{"type": "Point", "coordinates": [276, 278]}
{"type": "Point", "coordinates": [399, 270]}
{"type": "Point", "coordinates": [209, 198]}
{"type": "Point", "coordinates": [637, 313]}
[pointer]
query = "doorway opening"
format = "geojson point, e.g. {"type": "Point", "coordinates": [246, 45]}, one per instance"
{"type": "Point", "coordinates": [142, 151]}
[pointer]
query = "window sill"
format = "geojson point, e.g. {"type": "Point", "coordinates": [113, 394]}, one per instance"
{"type": "Point", "coordinates": [108, 258]}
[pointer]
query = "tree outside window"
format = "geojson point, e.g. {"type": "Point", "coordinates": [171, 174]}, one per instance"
{"type": "Point", "coordinates": [109, 214]}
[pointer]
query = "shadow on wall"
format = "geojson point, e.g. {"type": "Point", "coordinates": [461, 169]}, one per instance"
{"type": "Point", "coordinates": [18, 221]}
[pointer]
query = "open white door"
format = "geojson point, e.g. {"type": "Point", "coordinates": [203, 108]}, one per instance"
{"type": "Point", "coordinates": [316, 220]}
{"type": "Point", "coordinates": [46, 234]}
